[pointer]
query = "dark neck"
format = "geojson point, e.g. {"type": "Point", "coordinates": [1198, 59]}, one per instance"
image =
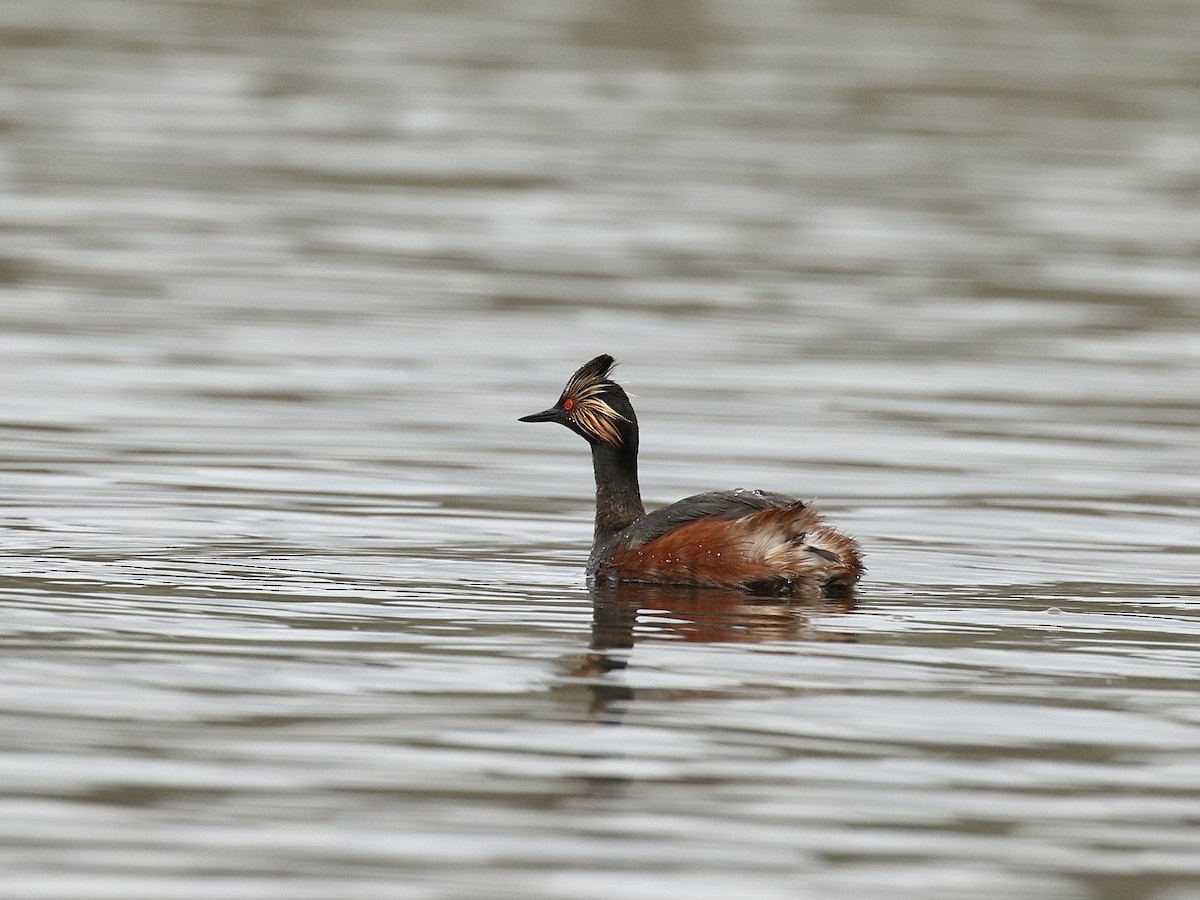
{"type": "Point", "coordinates": [618, 497]}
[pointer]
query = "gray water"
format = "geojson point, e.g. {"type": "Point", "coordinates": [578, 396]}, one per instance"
{"type": "Point", "coordinates": [292, 607]}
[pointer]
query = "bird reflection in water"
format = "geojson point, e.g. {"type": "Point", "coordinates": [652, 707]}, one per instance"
{"type": "Point", "coordinates": [627, 613]}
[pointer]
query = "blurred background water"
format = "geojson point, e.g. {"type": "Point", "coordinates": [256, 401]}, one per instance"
{"type": "Point", "coordinates": [293, 607]}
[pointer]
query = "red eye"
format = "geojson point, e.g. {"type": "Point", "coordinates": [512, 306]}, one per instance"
{"type": "Point", "coordinates": [568, 404]}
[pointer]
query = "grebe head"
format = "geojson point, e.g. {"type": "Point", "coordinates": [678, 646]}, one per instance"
{"type": "Point", "coordinates": [595, 407]}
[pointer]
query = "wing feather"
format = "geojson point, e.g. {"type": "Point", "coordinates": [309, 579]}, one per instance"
{"type": "Point", "coordinates": [753, 540]}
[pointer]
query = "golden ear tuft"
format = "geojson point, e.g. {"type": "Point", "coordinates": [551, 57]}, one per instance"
{"type": "Point", "coordinates": [587, 407]}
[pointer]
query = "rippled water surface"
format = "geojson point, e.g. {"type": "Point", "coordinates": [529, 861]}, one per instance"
{"type": "Point", "coordinates": [291, 605]}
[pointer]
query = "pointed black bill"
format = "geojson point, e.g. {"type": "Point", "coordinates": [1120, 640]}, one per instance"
{"type": "Point", "coordinates": [546, 415]}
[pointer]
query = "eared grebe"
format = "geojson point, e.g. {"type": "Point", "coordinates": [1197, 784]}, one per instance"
{"type": "Point", "coordinates": [750, 540]}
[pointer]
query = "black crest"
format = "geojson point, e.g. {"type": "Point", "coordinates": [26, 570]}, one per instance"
{"type": "Point", "coordinates": [584, 401]}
